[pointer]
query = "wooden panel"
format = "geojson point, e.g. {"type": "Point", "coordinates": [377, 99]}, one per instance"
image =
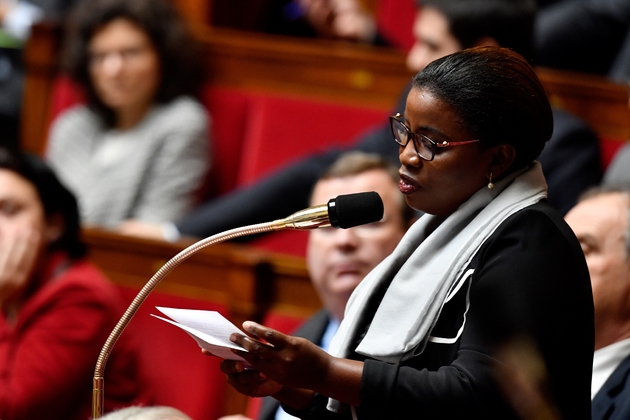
{"type": "Point", "coordinates": [600, 103]}
{"type": "Point", "coordinates": [349, 73]}
{"type": "Point", "coordinates": [247, 281]}
{"type": "Point", "coordinates": [195, 11]}
{"type": "Point", "coordinates": [309, 68]}
{"type": "Point", "coordinates": [238, 276]}
{"type": "Point", "coordinates": [40, 60]}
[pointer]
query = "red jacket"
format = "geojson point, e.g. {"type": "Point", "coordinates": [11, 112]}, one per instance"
{"type": "Point", "coordinates": [48, 354]}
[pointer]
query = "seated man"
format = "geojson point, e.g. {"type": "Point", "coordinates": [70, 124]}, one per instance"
{"type": "Point", "coordinates": [338, 259]}
{"type": "Point", "coordinates": [600, 221]}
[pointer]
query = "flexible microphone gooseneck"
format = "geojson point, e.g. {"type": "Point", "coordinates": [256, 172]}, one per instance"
{"type": "Point", "coordinates": [344, 212]}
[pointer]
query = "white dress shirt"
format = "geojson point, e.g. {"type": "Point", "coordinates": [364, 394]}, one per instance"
{"type": "Point", "coordinates": [605, 361]}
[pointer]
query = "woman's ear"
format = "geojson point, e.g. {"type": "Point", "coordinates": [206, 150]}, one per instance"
{"type": "Point", "coordinates": [502, 158]}
{"type": "Point", "coordinates": [54, 229]}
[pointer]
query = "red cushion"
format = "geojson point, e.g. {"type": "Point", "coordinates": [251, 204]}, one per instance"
{"type": "Point", "coordinates": [291, 242]}
{"type": "Point", "coordinates": [65, 94]}
{"type": "Point", "coordinates": [228, 110]}
{"type": "Point", "coordinates": [395, 22]}
{"type": "Point", "coordinates": [282, 129]}
{"type": "Point", "coordinates": [607, 149]}
{"type": "Point", "coordinates": [180, 375]}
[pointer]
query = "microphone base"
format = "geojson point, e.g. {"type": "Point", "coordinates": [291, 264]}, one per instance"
{"type": "Point", "coordinates": [98, 397]}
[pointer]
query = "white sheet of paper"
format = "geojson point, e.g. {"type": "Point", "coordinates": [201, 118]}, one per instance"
{"type": "Point", "coordinates": [209, 329]}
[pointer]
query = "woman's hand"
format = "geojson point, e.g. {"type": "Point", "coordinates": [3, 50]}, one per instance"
{"type": "Point", "coordinates": [18, 251]}
{"type": "Point", "coordinates": [247, 381]}
{"type": "Point", "coordinates": [291, 369]}
{"type": "Point", "coordinates": [287, 360]}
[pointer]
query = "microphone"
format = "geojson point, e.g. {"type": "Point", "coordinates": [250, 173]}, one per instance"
{"type": "Point", "coordinates": [344, 211]}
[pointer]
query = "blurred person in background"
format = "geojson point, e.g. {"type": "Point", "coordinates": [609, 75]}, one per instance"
{"type": "Point", "coordinates": [601, 223]}
{"type": "Point", "coordinates": [138, 150]}
{"type": "Point", "coordinates": [56, 309]}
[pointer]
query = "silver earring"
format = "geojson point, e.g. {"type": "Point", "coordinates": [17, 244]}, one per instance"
{"type": "Point", "coordinates": [490, 184]}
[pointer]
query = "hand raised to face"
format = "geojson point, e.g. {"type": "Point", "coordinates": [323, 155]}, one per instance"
{"type": "Point", "coordinates": [18, 251]}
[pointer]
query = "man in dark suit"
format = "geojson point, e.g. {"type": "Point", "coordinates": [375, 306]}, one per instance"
{"type": "Point", "coordinates": [600, 222]}
{"type": "Point", "coordinates": [338, 259]}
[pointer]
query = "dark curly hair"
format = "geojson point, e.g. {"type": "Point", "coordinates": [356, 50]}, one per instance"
{"type": "Point", "coordinates": [56, 199]}
{"type": "Point", "coordinates": [497, 96]}
{"type": "Point", "coordinates": [181, 72]}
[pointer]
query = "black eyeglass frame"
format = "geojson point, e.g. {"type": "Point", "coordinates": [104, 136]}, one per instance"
{"type": "Point", "coordinates": [429, 144]}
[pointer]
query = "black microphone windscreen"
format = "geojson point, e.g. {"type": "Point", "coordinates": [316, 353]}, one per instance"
{"type": "Point", "coordinates": [352, 210]}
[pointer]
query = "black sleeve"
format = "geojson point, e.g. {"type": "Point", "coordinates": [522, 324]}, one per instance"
{"type": "Point", "coordinates": [570, 161]}
{"type": "Point", "coordinates": [530, 282]}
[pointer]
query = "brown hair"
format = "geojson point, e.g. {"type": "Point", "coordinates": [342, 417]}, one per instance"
{"type": "Point", "coordinates": [177, 50]}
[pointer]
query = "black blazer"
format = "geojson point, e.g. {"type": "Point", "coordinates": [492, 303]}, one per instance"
{"type": "Point", "coordinates": [529, 279]}
{"type": "Point", "coordinates": [612, 402]}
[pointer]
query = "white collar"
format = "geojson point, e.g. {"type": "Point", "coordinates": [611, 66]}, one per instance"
{"type": "Point", "coordinates": [605, 361]}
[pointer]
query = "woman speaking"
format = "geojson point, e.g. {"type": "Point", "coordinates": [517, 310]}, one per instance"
{"type": "Point", "coordinates": [484, 310]}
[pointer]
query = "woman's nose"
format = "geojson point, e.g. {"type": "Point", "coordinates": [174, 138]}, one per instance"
{"type": "Point", "coordinates": [112, 63]}
{"type": "Point", "coordinates": [408, 155]}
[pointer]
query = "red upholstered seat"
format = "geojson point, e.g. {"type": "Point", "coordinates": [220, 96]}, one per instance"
{"type": "Point", "coordinates": [607, 149]}
{"type": "Point", "coordinates": [395, 22]}
{"type": "Point", "coordinates": [178, 373]}
{"type": "Point", "coordinates": [65, 94]}
{"type": "Point", "coordinates": [228, 110]}
{"type": "Point", "coordinates": [281, 130]}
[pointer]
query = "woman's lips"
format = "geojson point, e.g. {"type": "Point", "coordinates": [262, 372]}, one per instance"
{"type": "Point", "coordinates": [407, 185]}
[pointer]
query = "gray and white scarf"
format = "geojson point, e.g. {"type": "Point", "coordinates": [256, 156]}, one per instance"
{"type": "Point", "coordinates": [425, 265]}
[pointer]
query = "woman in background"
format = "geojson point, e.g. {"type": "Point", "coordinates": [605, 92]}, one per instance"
{"type": "Point", "coordinates": [56, 310]}
{"type": "Point", "coordinates": [138, 149]}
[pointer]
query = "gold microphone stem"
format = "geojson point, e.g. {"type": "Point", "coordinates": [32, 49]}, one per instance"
{"type": "Point", "coordinates": [99, 370]}
{"type": "Point", "coordinates": [310, 218]}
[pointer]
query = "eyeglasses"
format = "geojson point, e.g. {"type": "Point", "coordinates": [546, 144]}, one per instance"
{"type": "Point", "coordinates": [128, 55]}
{"type": "Point", "coordinates": [425, 147]}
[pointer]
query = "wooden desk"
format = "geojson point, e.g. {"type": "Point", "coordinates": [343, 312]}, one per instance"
{"type": "Point", "coordinates": [246, 281]}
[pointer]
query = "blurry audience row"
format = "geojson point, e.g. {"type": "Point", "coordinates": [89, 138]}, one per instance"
{"type": "Point", "coordinates": [137, 152]}
{"type": "Point", "coordinates": [136, 157]}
